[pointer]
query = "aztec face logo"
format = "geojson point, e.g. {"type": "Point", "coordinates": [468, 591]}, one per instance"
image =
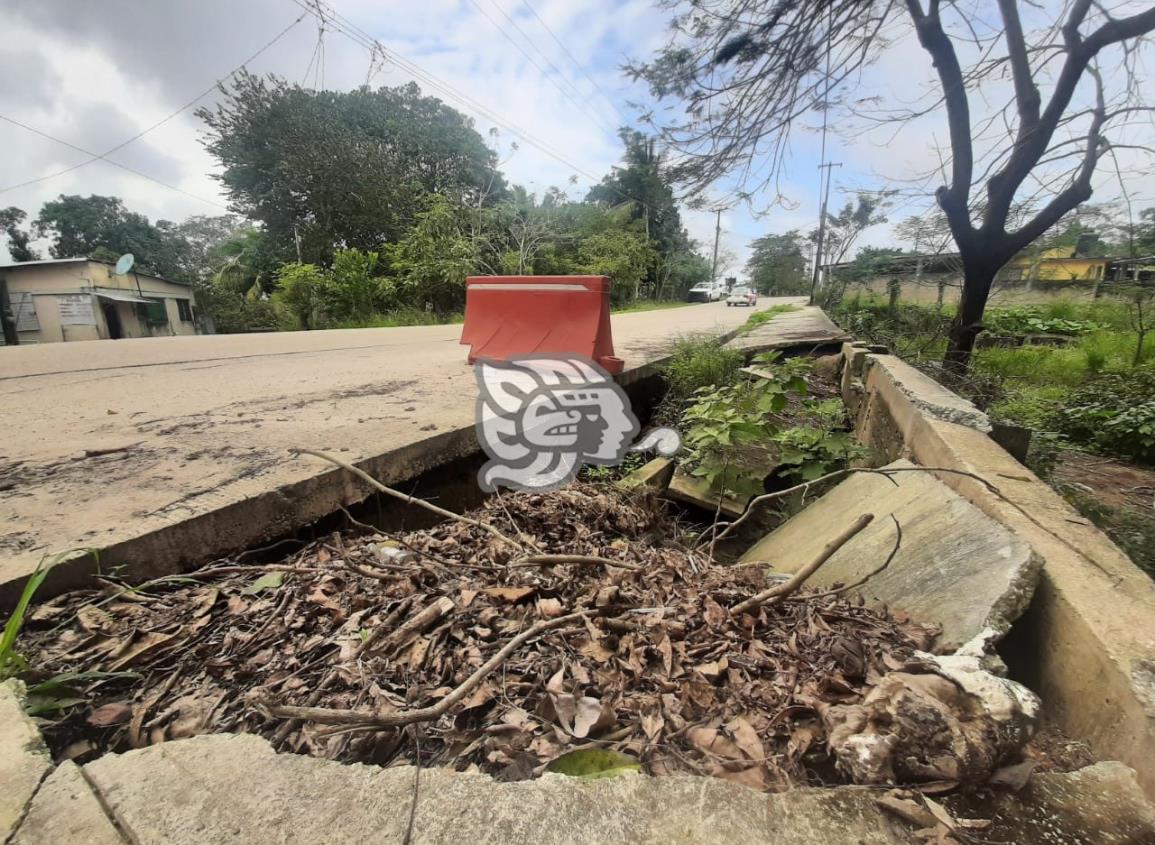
{"type": "Point", "coordinates": [540, 419]}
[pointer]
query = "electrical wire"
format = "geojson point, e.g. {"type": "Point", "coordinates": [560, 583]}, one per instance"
{"type": "Point", "coordinates": [96, 157]}
{"type": "Point", "coordinates": [566, 50]}
{"type": "Point", "coordinates": [156, 125]}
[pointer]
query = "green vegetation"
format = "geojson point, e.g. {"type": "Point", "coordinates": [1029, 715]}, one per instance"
{"type": "Point", "coordinates": [370, 208]}
{"type": "Point", "coordinates": [697, 363]}
{"type": "Point", "coordinates": [1096, 393]}
{"type": "Point", "coordinates": [731, 432]}
{"type": "Point", "coordinates": [759, 318]}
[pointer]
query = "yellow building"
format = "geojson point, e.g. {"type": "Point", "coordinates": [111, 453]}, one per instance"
{"type": "Point", "coordinates": [1055, 265]}
{"type": "Point", "coordinates": [66, 299]}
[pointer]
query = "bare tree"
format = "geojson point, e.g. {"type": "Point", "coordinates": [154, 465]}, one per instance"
{"type": "Point", "coordinates": [748, 71]}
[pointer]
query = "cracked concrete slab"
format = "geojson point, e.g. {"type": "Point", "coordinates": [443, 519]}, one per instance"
{"type": "Point", "coordinates": [24, 759]}
{"type": "Point", "coordinates": [65, 809]}
{"type": "Point", "coordinates": [235, 789]}
{"type": "Point", "coordinates": [956, 566]}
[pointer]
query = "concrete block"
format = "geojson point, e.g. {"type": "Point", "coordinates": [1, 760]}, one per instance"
{"type": "Point", "coordinates": [656, 473]}
{"type": "Point", "coordinates": [24, 759]}
{"type": "Point", "coordinates": [696, 491]}
{"type": "Point", "coordinates": [66, 810]}
{"type": "Point", "coordinates": [887, 373]}
{"type": "Point", "coordinates": [956, 567]}
{"type": "Point", "coordinates": [234, 789]}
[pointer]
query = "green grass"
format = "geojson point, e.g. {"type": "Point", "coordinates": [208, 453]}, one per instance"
{"type": "Point", "coordinates": [649, 305]}
{"type": "Point", "coordinates": [759, 318]}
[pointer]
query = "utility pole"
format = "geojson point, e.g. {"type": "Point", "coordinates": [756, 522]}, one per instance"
{"type": "Point", "coordinates": [717, 235]}
{"type": "Point", "coordinates": [821, 227]}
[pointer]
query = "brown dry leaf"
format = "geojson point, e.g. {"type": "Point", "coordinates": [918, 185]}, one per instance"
{"type": "Point", "coordinates": [746, 738]}
{"type": "Point", "coordinates": [110, 714]}
{"type": "Point", "coordinates": [588, 713]}
{"type": "Point", "coordinates": [909, 811]}
{"type": "Point", "coordinates": [510, 594]}
{"type": "Point", "coordinates": [550, 608]}
{"type": "Point", "coordinates": [653, 723]}
{"type": "Point", "coordinates": [95, 620]}
{"type": "Point", "coordinates": [753, 777]}
{"type": "Point", "coordinates": [134, 649]}
{"type": "Point", "coordinates": [707, 738]}
{"type": "Point", "coordinates": [483, 694]}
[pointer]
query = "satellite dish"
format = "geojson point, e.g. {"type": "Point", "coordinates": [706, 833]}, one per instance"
{"type": "Point", "coordinates": [124, 263]}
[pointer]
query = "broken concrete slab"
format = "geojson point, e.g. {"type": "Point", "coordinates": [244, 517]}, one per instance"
{"type": "Point", "coordinates": [24, 759]}
{"type": "Point", "coordinates": [684, 487]}
{"type": "Point", "coordinates": [956, 566]}
{"type": "Point", "coordinates": [234, 788]}
{"type": "Point", "coordinates": [924, 393]}
{"type": "Point", "coordinates": [66, 809]}
{"type": "Point", "coordinates": [807, 326]}
{"type": "Point", "coordinates": [656, 474]}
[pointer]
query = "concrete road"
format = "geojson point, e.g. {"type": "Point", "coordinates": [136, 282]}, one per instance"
{"type": "Point", "coordinates": [105, 442]}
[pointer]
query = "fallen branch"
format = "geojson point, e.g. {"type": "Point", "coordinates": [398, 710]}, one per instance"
{"type": "Point", "coordinates": [780, 591]}
{"type": "Point", "coordinates": [361, 718]}
{"type": "Point", "coordinates": [418, 622]}
{"type": "Point", "coordinates": [405, 497]}
{"type": "Point", "coordinates": [552, 560]}
{"type": "Point", "coordinates": [854, 584]}
{"type": "Point", "coordinates": [991, 488]}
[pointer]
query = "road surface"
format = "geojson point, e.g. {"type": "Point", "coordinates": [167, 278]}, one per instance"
{"type": "Point", "coordinates": [109, 441]}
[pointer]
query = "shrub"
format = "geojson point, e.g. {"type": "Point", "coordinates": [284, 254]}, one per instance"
{"type": "Point", "coordinates": [1115, 413]}
{"type": "Point", "coordinates": [696, 363]}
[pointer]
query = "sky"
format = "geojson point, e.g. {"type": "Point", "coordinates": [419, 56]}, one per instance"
{"type": "Point", "coordinates": [96, 74]}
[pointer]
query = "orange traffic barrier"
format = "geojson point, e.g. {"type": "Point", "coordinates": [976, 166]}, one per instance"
{"type": "Point", "coordinates": [509, 316]}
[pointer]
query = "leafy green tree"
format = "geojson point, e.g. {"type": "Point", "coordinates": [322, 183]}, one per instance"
{"type": "Point", "coordinates": [777, 265]}
{"type": "Point", "coordinates": [78, 226]}
{"type": "Point", "coordinates": [325, 169]}
{"type": "Point", "coordinates": [430, 263]}
{"type": "Point", "coordinates": [301, 289]}
{"type": "Point", "coordinates": [620, 254]}
{"type": "Point", "coordinates": [11, 219]}
{"type": "Point", "coordinates": [354, 291]}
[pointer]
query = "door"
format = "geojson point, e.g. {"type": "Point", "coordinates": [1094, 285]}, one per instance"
{"type": "Point", "coordinates": [112, 320]}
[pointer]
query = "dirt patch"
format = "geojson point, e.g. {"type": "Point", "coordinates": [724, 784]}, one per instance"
{"type": "Point", "coordinates": [1117, 497]}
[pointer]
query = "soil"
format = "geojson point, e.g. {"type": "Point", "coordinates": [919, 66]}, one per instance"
{"type": "Point", "coordinates": [1118, 497]}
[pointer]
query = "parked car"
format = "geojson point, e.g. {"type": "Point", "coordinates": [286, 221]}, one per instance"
{"type": "Point", "coordinates": [742, 296]}
{"type": "Point", "coordinates": [705, 292]}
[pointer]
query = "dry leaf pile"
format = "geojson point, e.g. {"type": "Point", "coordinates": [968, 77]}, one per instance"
{"type": "Point", "coordinates": [643, 657]}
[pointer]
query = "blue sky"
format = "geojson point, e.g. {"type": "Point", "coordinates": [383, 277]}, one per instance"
{"type": "Point", "coordinates": [96, 73]}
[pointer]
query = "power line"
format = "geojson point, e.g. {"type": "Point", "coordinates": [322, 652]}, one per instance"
{"type": "Point", "coordinates": [566, 50]}
{"type": "Point", "coordinates": [572, 92]}
{"type": "Point", "coordinates": [95, 157]}
{"type": "Point", "coordinates": [354, 33]}
{"type": "Point", "coordinates": [156, 125]}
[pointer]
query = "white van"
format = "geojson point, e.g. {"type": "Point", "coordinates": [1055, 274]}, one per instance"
{"type": "Point", "coordinates": [706, 292]}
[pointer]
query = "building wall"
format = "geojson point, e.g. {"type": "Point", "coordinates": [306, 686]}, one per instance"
{"type": "Point", "coordinates": [1004, 292]}
{"type": "Point", "coordinates": [48, 283]}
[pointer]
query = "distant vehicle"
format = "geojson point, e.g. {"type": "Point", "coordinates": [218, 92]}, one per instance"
{"type": "Point", "coordinates": [742, 296]}
{"type": "Point", "coordinates": [706, 292]}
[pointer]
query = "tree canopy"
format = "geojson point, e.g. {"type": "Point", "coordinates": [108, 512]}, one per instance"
{"type": "Point", "coordinates": [332, 169]}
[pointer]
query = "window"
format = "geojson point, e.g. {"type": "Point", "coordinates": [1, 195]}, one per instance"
{"type": "Point", "coordinates": [23, 311]}
{"type": "Point", "coordinates": [184, 308]}
{"type": "Point", "coordinates": [153, 313]}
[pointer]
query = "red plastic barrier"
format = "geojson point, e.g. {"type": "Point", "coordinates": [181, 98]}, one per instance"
{"type": "Point", "coordinates": [507, 316]}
